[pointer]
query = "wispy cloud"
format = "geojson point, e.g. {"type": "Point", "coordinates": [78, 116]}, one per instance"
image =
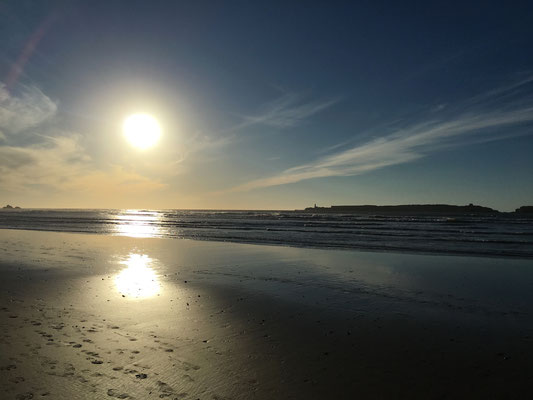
{"type": "Point", "coordinates": [50, 163]}
{"type": "Point", "coordinates": [62, 165]}
{"type": "Point", "coordinates": [495, 115]}
{"type": "Point", "coordinates": [27, 110]}
{"type": "Point", "coordinates": [286, 111]}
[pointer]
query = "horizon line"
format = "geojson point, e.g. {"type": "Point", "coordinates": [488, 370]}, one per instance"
{"type": "Point", "coordinates": [3, 208]}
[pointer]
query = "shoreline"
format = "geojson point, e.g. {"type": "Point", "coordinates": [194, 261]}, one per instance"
{"type": "Point", "coordinates": [398, 250]}
{"type": "Point", "coordinates": [247, 321]}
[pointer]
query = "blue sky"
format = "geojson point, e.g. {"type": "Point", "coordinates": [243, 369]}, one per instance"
{"type": "Point", "coordinates": [277, 105]}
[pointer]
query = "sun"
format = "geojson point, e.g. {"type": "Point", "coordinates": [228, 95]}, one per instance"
{"type": "Point", "coordinates": [141, 130]}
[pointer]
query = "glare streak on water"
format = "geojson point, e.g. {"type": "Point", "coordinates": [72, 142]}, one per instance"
{"type": "Point", "coordinates": [503, 235]}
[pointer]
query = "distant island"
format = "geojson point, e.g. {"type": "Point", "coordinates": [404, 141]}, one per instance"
{"type": "Point", "coordinates": [411, 209]}
{"type": "Point", "coordinates": [524, 210]}
{"type": "Point", "coordinates": [10, 207]}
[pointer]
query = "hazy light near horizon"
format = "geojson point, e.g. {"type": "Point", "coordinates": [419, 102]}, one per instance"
{"type": "Point", "coordinates": [141, 130]}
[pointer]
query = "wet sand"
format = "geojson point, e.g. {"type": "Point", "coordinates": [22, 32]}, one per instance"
{"type": "Point", "coordinates": [100, 317]}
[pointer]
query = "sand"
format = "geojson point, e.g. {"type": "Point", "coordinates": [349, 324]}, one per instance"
{"type": "Point", "coordinates": [100, 317]}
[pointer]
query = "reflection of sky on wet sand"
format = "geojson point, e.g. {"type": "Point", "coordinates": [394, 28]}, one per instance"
{"type": "Point", "coordinates": [136, 223]}
{"type": "Point", "coordinates": [138, 279]}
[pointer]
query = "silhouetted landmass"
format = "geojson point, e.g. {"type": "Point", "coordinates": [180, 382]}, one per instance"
{"type": "Point", "coordinates": [408, 209]}
{"type": "Point", "coordinates": [10, 207]}
{"type": "Point", "coordinates": [524, 210]}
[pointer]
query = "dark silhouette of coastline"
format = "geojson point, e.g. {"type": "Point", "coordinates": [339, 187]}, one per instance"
{"type": "Point", "coordinates": [10, 207]}
{"type": "Point", "coordinates": [411, 209]}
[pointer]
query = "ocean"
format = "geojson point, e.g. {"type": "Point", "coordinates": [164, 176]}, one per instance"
{"type": "Point", "coordinates": [504, 235]}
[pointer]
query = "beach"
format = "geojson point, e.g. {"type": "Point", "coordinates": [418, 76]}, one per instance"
{"type": "Point", "coordinates": [88, 316]}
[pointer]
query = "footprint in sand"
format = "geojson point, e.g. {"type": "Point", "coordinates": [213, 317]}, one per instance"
{"type": "Point", "coordinates": [165, 389]}
{"type": "Point", "coordinates": [188, 366]}
{"type": "Point", "coordinates": [118, 395]}
{"type": "Point", "coordinates": [24, 396]}
{"type": "Point", "coordinates": [17, 379]}
{"type": "Point", "coordinates": [130, 371]}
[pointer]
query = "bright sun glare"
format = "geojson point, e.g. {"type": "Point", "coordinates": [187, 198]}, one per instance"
{"type": "Point", "coordinates": [141, 130]}
{"type": "Point", "coordinates": [138, 279]}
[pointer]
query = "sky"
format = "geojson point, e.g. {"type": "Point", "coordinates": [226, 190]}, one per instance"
{"type": "Point", "coordinates": [266, 105]}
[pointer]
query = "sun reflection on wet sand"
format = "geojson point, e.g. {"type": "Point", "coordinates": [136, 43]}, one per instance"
{"type": "Point", "coordinates": [138, 279]}
{"type": "Point", "coordinates": [135, 223]}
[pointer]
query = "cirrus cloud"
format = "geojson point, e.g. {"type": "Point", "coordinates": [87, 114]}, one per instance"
{"type": "Point", "coordinates": [27, 110]}
{"type": "Point", "coordinates": [499, 114]}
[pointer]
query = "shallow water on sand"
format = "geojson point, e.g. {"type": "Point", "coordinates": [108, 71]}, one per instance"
{"type": "Point", "coordinates": [118, 317]}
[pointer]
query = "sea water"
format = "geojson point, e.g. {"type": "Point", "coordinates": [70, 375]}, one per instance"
{"type": "Point", "coordinates": [503, 235]}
